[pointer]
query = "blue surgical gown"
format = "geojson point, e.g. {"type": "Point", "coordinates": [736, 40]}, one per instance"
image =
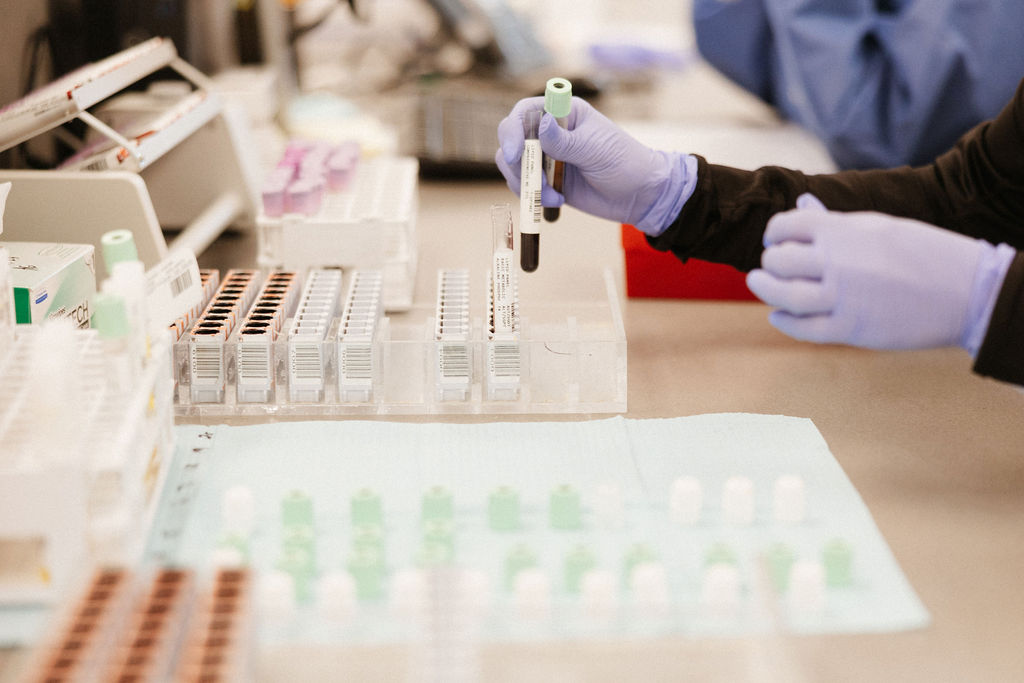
{"type": "Point", "coordinates": [882, 82]}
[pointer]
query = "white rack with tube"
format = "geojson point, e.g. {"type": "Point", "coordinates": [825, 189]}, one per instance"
{"type": "Point", "coordinates": [96, 450]}
{"type": "Point", "coordinates": [326, 206]}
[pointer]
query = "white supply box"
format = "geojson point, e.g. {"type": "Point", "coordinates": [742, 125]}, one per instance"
{"type": "Point", "coordinates": [52, 281]}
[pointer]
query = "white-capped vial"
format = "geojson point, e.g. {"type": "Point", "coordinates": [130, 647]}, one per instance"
{"type": "Point", "coordinates": [738, 501]}
{"type": "Point", "coordinates": [227, 557]}
{"type": "Point", "coordinates": [685, 501]}
{"type": "Point", "coordinates": [599, 594]}
{"type": "Point", "coordinates": [238, 510]}
{"type": "Point", "coordinates": [408, 594]}
{"type": "Point", "coordinates": [532, 594]}
{"type": "Point", "coordinates": [336, 596]}
{"type": "Point", "coordinates": [720, 588]}
{"type": "Point", "coordinates": [609, 506]}
{"type": "Point", "coordinates": [475, 591]}
{"type": "Point", "coordinates": [277, 596]}
{"type": "Point", "coordinates": [807, 588]}
{"type": "Point", "coordinates": [789, 499]}
{"type": "Point", "coordinates": [648, 584]}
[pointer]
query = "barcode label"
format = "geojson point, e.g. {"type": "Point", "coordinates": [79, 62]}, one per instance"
{"type": "Point", "coordinates": [207, 363]}
{"type": "Point", "coordinates": [253, 362]}
{"type": "Point", "coordinates": [505, 360]}
{"type": "Point", "coordinates": [530, 211]}
{"type": "Point", "coordinates": [306, 364]}
{"type": "Point", "coordinates": [454, 361]}
{"type": "Point", "coordinates": [356, 362]}
{"type": "Point", "coordinates": [181, 283]}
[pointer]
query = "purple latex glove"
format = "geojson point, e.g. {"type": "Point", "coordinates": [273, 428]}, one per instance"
{"type": "Point", "coordinates": [873, 280]}
{"type": "Point", "coordinates": [608, 173]}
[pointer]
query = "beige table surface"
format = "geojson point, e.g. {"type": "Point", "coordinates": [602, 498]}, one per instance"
{"type": "Point", "coordinates": [936, 452]}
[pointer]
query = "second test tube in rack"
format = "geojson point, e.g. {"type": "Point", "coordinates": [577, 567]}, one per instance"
{"type": "Point", "coordinates": [503, 353]}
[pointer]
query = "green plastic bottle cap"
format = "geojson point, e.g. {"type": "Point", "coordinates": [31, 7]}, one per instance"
{"type": "Point", "coordinates": [720, 553]}
{"type": "Point", "coordinates": [118, 245]}
{"type": "Point", "coordinates": [297, 509]}
{"type": "Point", "coordinates": [837, 556]}
{"type": "Point", "coordinates": [435, 555]}
{"type": "Point", "coordinates": [564, 509]}
{"type": "Point", "coordinates": [503, 509]}
{"type": "Point", "coordinates": [520, 558]}
{"type": "Point", "coordinates": [368, 536]}
{"type": "Point", "coordinates": [558, 97]}
{"type": "Point", "coordinates": [780, 558]}
{"type": "Point", "coordinates": [580, 561]}
{"type": "Point", "coordinates": [438, 503]}
{"type": "Point", "coordinates": [237, 542]}
{"type": "Point", "coordinates": [639, 553]}
{"type": "Point", "coordinates": [367, 569]}
{"type": "Point", "coordinates": [302, 568]}
{"type": "Point", "coordinates": [109, 316]}
{"type": "Point", "coordinates": [298, 536]}
{"type": "Point", "coordinates": [367, 508]}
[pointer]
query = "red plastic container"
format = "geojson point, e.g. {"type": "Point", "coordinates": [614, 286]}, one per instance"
{"type": "Point", "coordinates": [657, 274]}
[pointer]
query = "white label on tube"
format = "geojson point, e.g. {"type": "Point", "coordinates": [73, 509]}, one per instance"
{"type": "Point", "coordinates": [529, 196]}
{"type": "Point", "coordinates": [174, 288]}
{"type": "Point", "coordinates": [504, 292]}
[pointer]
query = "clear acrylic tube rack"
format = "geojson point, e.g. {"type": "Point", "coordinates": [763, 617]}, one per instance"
{"type": "Point", "coordinates": [344, 356]}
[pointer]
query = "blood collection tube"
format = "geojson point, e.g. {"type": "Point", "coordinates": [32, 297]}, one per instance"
{"type": "Point", "coordinates": [529, 195]}
{"type": "Point", "coordinates": [558, 103]}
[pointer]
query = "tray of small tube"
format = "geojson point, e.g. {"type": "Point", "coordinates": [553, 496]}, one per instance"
{"type": "Point", "coordinates": [320, 342]}
{"type": "Point", "coordinates": [325, 205]}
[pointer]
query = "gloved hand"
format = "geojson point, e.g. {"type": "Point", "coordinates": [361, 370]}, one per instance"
{"type": "Point", "coordinates": [873, 280]}
{"type": "Point", "coordinates": [608, 173]}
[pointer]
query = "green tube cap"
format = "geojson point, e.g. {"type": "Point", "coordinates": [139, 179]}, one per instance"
{"type": "Point", "coordinates": [558, 97]}
{"type": "Point", "coordinates": [503, 509]}
{"type": "Point", "coordinates": [118, 245]}
{"type": "Point", "coordinates": [109, 316]}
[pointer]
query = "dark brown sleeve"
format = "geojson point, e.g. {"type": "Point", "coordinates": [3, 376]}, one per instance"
{"type": "Point", "coordinates": [1002, 352]}
{"type": "Point", "coordinates": [976, 188]}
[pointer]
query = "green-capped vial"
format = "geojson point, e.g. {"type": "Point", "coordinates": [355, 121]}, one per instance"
{"type": "Point", "coordinates": [367, 508]}
{"type": "Point", "coordinates": [565, 509]}
{"type": "Point", "coordinates": [367, 569]}
{"type": "Point", "coordinates": [503, 510]}
{"type": "Point", "coordinates": [117, 246]}
{"type": "Point", "coordinates": [518, 559]}
{"type": "Point", "coordinates": [719, 553]}
{"type": "Point", "coordinates": [638, 553]}
{"type": "Point", "coordinates": [297, 509]}
{"type": "Point", "coordinates": [558, 97]}
{"type": "Point", "coordinates": [577, 563]}
{"type": "Point", "coordinates": [438, 503]}
{"type": "Point", "coordinates": [779, 559]}
{"type": "Point", "coordinates": [837, 557]}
